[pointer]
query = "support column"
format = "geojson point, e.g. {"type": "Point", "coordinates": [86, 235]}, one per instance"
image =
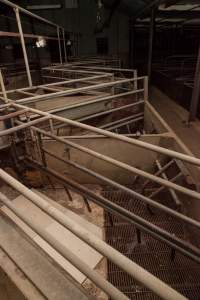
{"type": "Point", "coordinates": [64, 44]}
{"type": "Point", "coordinates": [196, 91]}
{"type": "Point", "coordinates": [151, 37]}
{"type": "Point", "coordinates": [131, 43]}
{"type": "Point", "coordinates": [23, 46]}
{"type": "Point", "coordinates": [59, 44]}
{"type": "Point", "coordinates": [3, 87]}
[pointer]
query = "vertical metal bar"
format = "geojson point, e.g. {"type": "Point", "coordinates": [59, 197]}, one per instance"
{"type": "Point", "coordinates": [146, 88]}
{"type": "Point", "coordinates": [43, 157]}
{"type": "Point", "coordinates": [64, 44]}
{"type": "Point", "coordinates": [59, 44]}
{"type": "Point", "coordinates": [151, 37]}
{"type": "Point", "coordinates": [23, 46]}
{"type": "Point", "coordinates": [51, 126]}
{"type": "Point", "coordinates": [196, 91]}
{"type": "Point", "coordinates": [87, 204]}
{"type": "Point", "coordinates": [3, 87]}
{"type": "Point", "coordinates": [68, 193]}
{"type": "Point", "coordinates": [172, 192]}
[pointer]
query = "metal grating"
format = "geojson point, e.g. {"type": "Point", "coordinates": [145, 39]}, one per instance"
{"type": "Point", "coordinates": [182, 274]}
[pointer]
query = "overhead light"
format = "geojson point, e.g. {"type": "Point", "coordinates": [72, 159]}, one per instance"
{"type": "Point", "coordinates": [41, 42]}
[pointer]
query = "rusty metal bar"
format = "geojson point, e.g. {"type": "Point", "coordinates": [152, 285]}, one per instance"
{"type": "Point", "coordinates": [160, 189]}
{"type": "Point", "coordinates": [124, 166]}
{"type": "Point", "coordinates": [172, 192]}
{"type": "Point", "coordinates": [174, 154]}
{"type": "Point", "coordinates": [164, 168]}
{"type": "Point", "coordinates": [23, 126]}
{"type": "Point", "coordinates": [107, 287]}
{"type": "Point", "coordinates": [13, 114]}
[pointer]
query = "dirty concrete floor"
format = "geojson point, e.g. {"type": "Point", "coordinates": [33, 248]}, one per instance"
{"type": "Point", "coordinates": [96, 217]}
{"type": "Point", "coordinates": [176, 117]}
{"type": "Point", "coordinates": [78, 206]}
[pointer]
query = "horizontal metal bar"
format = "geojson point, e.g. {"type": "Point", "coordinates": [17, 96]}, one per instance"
{"type": "Point", "coordinates": [26, 35]}
{"type": "Point", "coordinates": [13, 114]}
{"type": "Point", "coordinates": [71, 71]}
{"type": "Point", "coordinates": [54, 77]}
{"type": "Point", "coordinates": [134, 120]}
{"type": "Point", "coordinates": [107, 287]}
{"type": "Point", "coordinates": [25, 93]}
{"type": "Point", "coordinates": [51, 89]}
{"type": "Point", "coordinates": [129, 120]}
{"type": "Point", "coordinates": [105, 126]}
{"type": "Point", "coordinates": [108, 69]}
{"type": "Point", "coordinates": [141, 275]}
{"type": "Point", "coordinates": [23, 126]}
{"type": "Point", "coordinates": [96, 100]}
{"type": "Point", "coordinates": [110, 111]}
{"type": "Point", "coordinates": [75, 91]}
{"type": "Point", "coordinates": [174, 154]}
{"type": "Point", "coordinates": [58, 83]}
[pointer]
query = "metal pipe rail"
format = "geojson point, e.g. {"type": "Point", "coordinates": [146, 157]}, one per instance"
{"type": "Point", "coordinates": [110, 111]}
{"type": "Point", "coordinates": [71, 70]}
{"type": "Point", "coordinates": [131, 169]}
{"type": "Point", "coordinates": [102, 283]}
{"type": "Point", "coordinates": [182, 248]}
{"type": "Point", "coordinates": [174, 154]}
{"type": "Point", "coordinates": [97, 100]}
{"type": "Point", "coordinates": [174, 242]}
{"type": "Point", "coordinates": [159, 180]}
{"type": "Point", "coordinates": [29, 100]}
{"type": "Point", "coordinates": [71, 81]}
{"type": "Point", "coordinates": [124, 166]}
{"type": "Point", "coordinates": [134, 170]}
{"type": "Point", "coordinates": [26, 12]}
{"type": "Point", "coordinates": [137, 272]}
{"type": "Point", "coordinates": [125, 189]}
{"type": "Point", "coordinates": [23, 126]}
{"type": "Point", "coordinates": [145, 145]}
{"type": "Point", "coordinates": [17, 9]}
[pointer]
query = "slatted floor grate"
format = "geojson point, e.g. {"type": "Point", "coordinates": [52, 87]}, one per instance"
{"type": "Point", "coordinates": [182, 274]}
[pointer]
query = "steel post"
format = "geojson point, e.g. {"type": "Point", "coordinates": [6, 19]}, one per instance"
{"type": "Point", "coordinates": [59, 44]}
{"type": "Point", "coordinates": [64, 44]}
{"type": "Point", "coordinates": [196, 91]}
{"type": "Point", "coordinates": [151, 38]}
{"type": "Point", "coordinates": [3, 87]}
{"type": "Point", "coordinates": [23, 46]}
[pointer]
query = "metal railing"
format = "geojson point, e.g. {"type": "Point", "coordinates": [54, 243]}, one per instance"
{"type": "Point", "coordinates": [137, 272]}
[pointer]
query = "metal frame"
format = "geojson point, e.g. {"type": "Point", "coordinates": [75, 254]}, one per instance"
{"type": "Point", "coordinates": [138, 273]}
{"type": "Point", "coordinates": [38, 127]}
{"type": "Point", "coordinates": [17, 9]}
{"type": "Point", "coordinates": [140, 223]}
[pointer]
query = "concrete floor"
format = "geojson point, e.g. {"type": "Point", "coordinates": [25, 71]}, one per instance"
{"type": "Point", "coordinates": [176, 117]}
